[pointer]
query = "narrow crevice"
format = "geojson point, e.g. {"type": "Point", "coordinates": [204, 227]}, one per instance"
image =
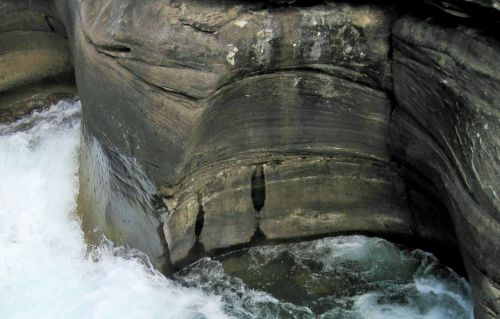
{"type": "Point", "coordinates": [49, 20]}
{"type": "Point", "coordinates": [428, 213]}
{"type": "Point", "coordinates": [166, 90]}
{"type": "Point", "coordinates": [114, 48]}
{"type": "Point", "coordinates": [258, 237]}
{"type": "Point", "coordinates": [197, 250]}
{"type": "Point", "coordinates": [200, 219]}
{"type": "Point", "coordinates": [258, 188]}
{"type": "Point", "coordinates": [199, 28]}
{"type": "Point", "coordinates": [258, 193]}
{"type": "Point", "coordinates": [164, 260]}
{"type": "Point", "coordinates": [158, 204]}
{"type": "Point", "coordinates": [159, 88]}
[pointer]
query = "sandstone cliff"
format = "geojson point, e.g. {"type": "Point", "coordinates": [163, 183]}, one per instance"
{"type": "Point", "coordinates": [212, 125]}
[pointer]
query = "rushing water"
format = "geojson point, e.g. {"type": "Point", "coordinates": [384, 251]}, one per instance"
{"type": "Point", "coordinates": [349, 277]}
{"type": "Point", "coordinates": [47, 272]}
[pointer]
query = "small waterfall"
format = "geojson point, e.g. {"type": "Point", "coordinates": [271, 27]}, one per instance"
{"type": "Point", "coordinates": [115, 200]}
{"type": "Point", "coordinates": [45, 270]}
{"type": "Point", "coordinates": [48, 272]}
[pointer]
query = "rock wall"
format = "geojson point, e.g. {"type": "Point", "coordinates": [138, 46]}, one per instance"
{"type": "Point", "coordinates": [171, 83]}
{"type": "Point", "coordinates": [220, 94]}
{"type": "Point", "coordinates": [446, 126]}
{"type": "Point", "coordinates": [266, 121]}
{"type": "Point", "coordinates": [35, 59]}
{"type": "Point", "coordinates": [257, 122]}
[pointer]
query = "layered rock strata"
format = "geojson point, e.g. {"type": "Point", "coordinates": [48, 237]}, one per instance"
{"type": "Point", "coordinates": [212, 125]}
{"type": "Point", "coordinates": [220, 94]}
{"type": "Point", "coordinates": [35, 59]}
{"type": "Point", "coordinates": [446, 126]}
{"type": "Point", "coordinates": [221, 97]}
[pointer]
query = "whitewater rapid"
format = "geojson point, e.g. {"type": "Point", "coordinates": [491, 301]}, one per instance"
{"type": "Point", "coordinates": [47, 272]}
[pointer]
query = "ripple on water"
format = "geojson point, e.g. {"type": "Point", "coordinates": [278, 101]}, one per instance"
{"type": "Point", "coordinates": [339, 277]}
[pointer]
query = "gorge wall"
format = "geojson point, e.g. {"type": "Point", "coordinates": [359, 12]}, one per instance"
{"type": "Point", "coordinates": [212, 125]}
{"type": "Point", "coordinates": [446, 83]}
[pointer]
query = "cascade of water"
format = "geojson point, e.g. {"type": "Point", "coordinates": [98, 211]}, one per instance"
{"type": "Point", "coordinates": [47, 272]}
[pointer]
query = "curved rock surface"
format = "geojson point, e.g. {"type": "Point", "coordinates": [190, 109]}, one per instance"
{"type": "Point", "coordinates": [252, 131]}
{"type": "Point", "coordinates": [447, 85]}
{"type": "Point", "coordinates": [221, 96]}
{"type": "Point", "coordinates": [206, 56]}
{"type": "Point", "coordinates": [211, 125]}
{"type": "Point", "coordinates": [35, 60]}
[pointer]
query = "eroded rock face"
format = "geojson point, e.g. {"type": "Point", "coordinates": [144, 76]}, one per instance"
{"type": "Point", "coordinates": [284, 199]}
{"type": "Point", "coordinates": [447, 84]}
{"type": "Point", "coordinates": [239, 67]}
{"type": "Point", "coordinates": [204, 94]}
{"type": "Point", "coordinates": [35, 60]}
{"type": "Point", "coordinates": [268, 121]}
{"type": "Point", "coordinates": [115, 201]}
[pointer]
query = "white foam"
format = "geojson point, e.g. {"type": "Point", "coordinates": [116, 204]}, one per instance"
{"type": "Point", "coordinates": [44, 269]}
{"type": "Point", "coordinates": [46, 272]}
{"type": "Point", "coordinates": [390, 282]}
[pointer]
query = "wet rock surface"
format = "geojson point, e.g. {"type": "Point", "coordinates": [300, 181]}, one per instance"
{"type": "Point", "coordinates": [192, 90]}
{"type": "Point", "coordinates": [35, 59]}
{"type": "Point", "coordinates": [470, 9]}
{"type": "Point", "coordinates": [260, 122]}
{"type": "Point", "coordinates": [243, 204]}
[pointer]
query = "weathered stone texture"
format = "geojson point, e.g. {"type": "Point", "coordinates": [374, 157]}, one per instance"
{"type": "Point", "coordinates": [115, 201]}
{"type": "Point", "coordinates": [263, 121]}
{"type": "Point", "coordinates": [212, 210]}
{"type": "Point", "coordinates": [168, 83]}
{"type": "Point", "coordinates": [241, 203]}
{"type": "Point", "coordinates": [325, 196]}
{"type": "Point", "coordinates": [447, 85]}
{"type": "Point", "coordinates": [476, 9]}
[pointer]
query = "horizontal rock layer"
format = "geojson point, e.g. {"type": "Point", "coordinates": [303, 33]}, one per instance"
{"type": "Point", "coordinates": [243, 203]}
{"type": "Point", "coordinates": [164, 85]}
